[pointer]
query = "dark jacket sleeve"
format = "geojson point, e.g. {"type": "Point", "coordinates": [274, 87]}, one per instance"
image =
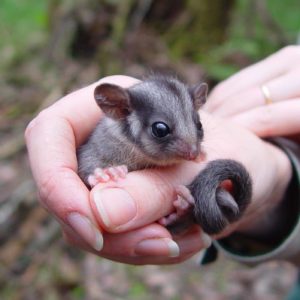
{"type": "Point", "coordinates": [287, 244]}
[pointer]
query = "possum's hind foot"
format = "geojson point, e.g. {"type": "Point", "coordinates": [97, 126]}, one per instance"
{"type": "Point", "coordinates": [185, 202]}
{"type": "Point", "coordinates": [180, 221]}
{"type": "Point", "coordinates": [107, 174]}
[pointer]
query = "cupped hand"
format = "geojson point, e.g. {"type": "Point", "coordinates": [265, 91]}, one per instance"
{"type": "Point", "coordinates": [241, 98]}
{"type": "Point", "coordinates": [52, 138]}
{"type": "Point", "coordinates": [120, 223]}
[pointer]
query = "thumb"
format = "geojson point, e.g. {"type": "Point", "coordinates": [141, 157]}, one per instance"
{"type": "Point", "coordinates": [141, 198]}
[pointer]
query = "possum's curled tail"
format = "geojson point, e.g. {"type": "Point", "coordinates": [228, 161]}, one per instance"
{"type": "Point", "coordinates": [215, 207]}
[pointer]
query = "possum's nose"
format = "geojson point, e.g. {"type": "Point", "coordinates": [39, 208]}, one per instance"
{"type": "Point", "coordinates": [190, 152]}
{"type": "Point", "coordinates": [193, 153]}
{"type": "Point", "coordinates": [187, 150]}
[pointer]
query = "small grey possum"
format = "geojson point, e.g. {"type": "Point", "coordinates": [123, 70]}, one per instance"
{"type": "Point", "coordinates": [156, 123]}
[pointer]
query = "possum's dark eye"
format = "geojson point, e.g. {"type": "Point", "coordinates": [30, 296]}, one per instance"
{"type": "Point", "coordinates": [160, 129]}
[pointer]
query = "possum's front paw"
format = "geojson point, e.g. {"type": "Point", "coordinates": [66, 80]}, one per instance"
{"type": "Point", "coordinates": [107, 174]}
{"type": "Point", "coordinates": [181, 220]}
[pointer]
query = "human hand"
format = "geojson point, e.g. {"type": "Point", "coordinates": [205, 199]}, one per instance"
{"type": "Point", "coordinates": [240, 97]}
{"type": "Point", "coordinates": [52, 138]}
{"type": "Point", "coordinates": [128, 222]}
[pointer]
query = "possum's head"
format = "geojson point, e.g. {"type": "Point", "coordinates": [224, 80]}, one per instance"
{"type": "Point", "coordinates": [158, 115]}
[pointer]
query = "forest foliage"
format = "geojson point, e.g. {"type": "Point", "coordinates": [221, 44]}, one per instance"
{"type": "Point", "coordinates": [211, 33]}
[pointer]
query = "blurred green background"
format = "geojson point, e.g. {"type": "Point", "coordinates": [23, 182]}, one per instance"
{"type": "Point", "coordinates": [49, 48]}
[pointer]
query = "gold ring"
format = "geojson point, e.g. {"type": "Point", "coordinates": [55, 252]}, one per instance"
{"type": "Point", "coordinates": [266, 94]}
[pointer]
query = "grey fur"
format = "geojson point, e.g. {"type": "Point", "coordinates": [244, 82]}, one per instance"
{"type": "Point", "coordinates": [129, 140]}
{"type": "Point", "coordinates": [124, 137]}
{"type": "Point", "coordinates": [215, 208]}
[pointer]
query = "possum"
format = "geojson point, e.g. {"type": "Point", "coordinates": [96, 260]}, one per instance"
{"type": "Point", "coordinates": [155, 123]}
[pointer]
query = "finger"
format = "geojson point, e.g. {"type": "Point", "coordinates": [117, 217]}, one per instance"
{"type": "Point", "coordinates": [51, 141]}
{"type": "Point", "coordinates": [255, 75]}
{"type": "Point", "coordinates": [51, 148]}
{"type": "Point", "coordinates": [141, 198]}
{"type": "Point", "coordinates": [150, 260]}
{"type": "Point", "coordinates": [281, 88]}
{"type": "Point", "coordinates": [150, 240]}
{"type": "Point", "coordinates": [285, 86]}
{"type": "Point", "coordinates": [272, 120]}
{"type": "Point", "coordinates": [149, 245]}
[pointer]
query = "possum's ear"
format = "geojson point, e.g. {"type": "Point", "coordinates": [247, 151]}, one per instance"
{"type": "Point", "coordinates": [199, 94]}
{"type": "Point", "coordinates": [113, 100]}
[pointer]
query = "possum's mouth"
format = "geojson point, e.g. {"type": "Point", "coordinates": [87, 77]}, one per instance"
{"type": "Point", "coordinates": [196, 155]}
{"type": "Point", "coordinates": [187, 151]}
{"type": "Point", "coordinates": [175, 159]}
{"type": "Point", "coordinates": [165, 161]}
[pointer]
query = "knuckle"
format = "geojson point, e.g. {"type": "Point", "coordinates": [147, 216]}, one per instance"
{"type": "Point", "coordinates": [48, 189]}
{"type": "Point", "coordinates": [36, 122]}
{"type": "Point", "coordinates": [265, 121]}
{"type": "Point", "coordinates": [164, 189]}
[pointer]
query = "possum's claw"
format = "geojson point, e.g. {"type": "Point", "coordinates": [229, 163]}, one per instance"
{"type": "Point", "coordinates": [168, 220]}
{"type": "Point", "coordinates": [184, 193]}
{"type": "Point", "coordinates": [181, 220]}
{"type": "Point", "coordinates": [104, 175]}
{"type": "Point", "coordinates": [116, 172]}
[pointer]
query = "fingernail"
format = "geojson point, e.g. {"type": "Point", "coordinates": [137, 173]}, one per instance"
{"type": "Point", "coordinates": [206, 240]}
{"type": "Point", "coordinates": [115, 207]}
{"type": "Point", "coordinates": [159, 247]}
{"type": "Point", "coordinates": [84, 227]}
